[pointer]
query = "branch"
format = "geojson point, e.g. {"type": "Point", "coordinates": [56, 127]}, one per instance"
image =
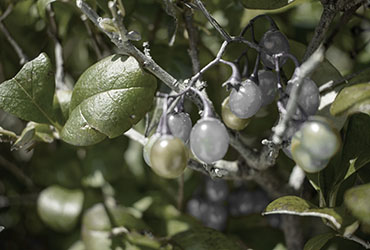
{"type": "Point", "coordinates": [214, 23]}
{"type": "Point", "coordinates": [58, 50]}
{"type": "Point", "coordinates": [12, 168]}
{"type": "Point", "coordinates": [322, 28]}
{"type": "Point", "coordinates": [136, 136]}
{"type": "Point", "coordinates": [300, 73]}
{"type": "Point", "coordinates": [22, 56]}
{"type": "Point", "coordinates": [193, 40]}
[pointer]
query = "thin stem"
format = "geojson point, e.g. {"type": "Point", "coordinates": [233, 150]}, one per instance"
{"type": "Point", "coordinates": [58, 50]}
{"type": "Point", "coordinates": [92, 36]}
{"type": "Point", "coordinates": [180, 193]}
{"type": "Point", "coordinates": [136, 136]}
{"type": "Point", "coordinates": [12, 168]}
{"type": "Point", "coordinates": [21, 55]}
{"type": "Point", "coordinates": [321, 30]}
{"type": "Point", "coordinates": [300, 73]}
{"type": "Point", "coordinates": [213, 22]}
{"type": "Point", "coordinates": [360, 241]}
{"type": "Point", "coordinates": [193, 40]}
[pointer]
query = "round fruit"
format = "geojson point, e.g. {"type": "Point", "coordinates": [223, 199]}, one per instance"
{"type": "Point", "coordinates": [268, 85]}
{"type": "Point", "coordinates": [180, 125]}
{"type": "Point", "coordinates": [209, 140]}
{"type": "Point", "coordinates": [308, 98]}
{"type": "Point", "coordinates": [319, 138]}
{"type": "Point", "coordinates": [148, 147]}
{"type": "Point", "coordinates": [304, 159]}
{"type": "Point", "coordinates": [231, 120]}
{"type": "Point", "coordinates": [168, 157]}
{"type": "Point", "coordinates": [246, 101]}
{"type": "Point", "coordinates": [59, 207]}
{"type": "Point", "coordinates": [273, 42]}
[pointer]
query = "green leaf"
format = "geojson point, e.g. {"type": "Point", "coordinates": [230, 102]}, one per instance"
{"type": "Point", "coordinates": [29, 95]}
{"type": "Point", "coordinates": [31, 133]}
{"type": "Point", "coordinates": [59, 207]}
{"type": "Point", "coordinates": [297, 206]}
{"type": "Point", "coordinates": [319, 241]}
{"type": "Point", "coordinates": [107, 100]}
{"type": "Point", "coordinates": [352, 99]}
{"type": "Point", "coordinates": [42, 5]}
{"type": "Point", "coordinates": [265, 4]}
{"type": "Point", "coordinates": [203, 239]}
{"type": "Point", "coordinates": [357, 200]}
{"type": "Point", "coordinates": [356, 147]}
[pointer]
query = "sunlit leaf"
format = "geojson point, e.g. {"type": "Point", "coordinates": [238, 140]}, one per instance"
{"type": "Point", "coordinates": [107, 100]}
{"type": "Point", "coordinates": [352, 99]}
{"type": "Point", "coordinates": [297, 206]}
{"type": "Point", "coordinates": [29, 95]}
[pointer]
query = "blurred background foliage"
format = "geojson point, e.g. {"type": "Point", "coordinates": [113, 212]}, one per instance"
{"type": "Point", "coordinates": [116, 166]}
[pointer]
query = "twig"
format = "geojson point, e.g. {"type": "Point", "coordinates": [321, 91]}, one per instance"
{"type": "Point", "coordinates": [193, 40]}
{"type": "Point", "coordinates": [136, 136]}
{"type": "Point", "coordinates": [93, 37]}
{"type": "Point", "coordinates": [12, 168]}
{"type": "Point", "coordinates": [180, 193]}
{"type": "Point", "coordinates": [326, 19]}
{"type": "Point", "coordinates": [345, 80]}
{"type": "Point", "coordinates": [58, 50]}
{"type": "Point", "coordinates": [214, 23]}
{"type": "Point", "coordinates": [22, 56]}
{"type": "Point", "coordinates": [360, 241]}
{"type": "Point", "coordinates": [300, 73]}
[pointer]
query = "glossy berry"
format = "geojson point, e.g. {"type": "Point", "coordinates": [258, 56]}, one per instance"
{"type": "Point", "coordinates": [168, 156]}
{"type": "Point", "coordinates": [246, 101]}
{"type": "Point", "coordinates": [148, 147]}
{"type": "Point", "coordinates": [308, 98]}
{"type": "Point", "coordinates": [273, 42]}
{"type": "Point", "coordinates": [268, 84]}
{"type": "Point", "coordinates": [180, 125]}
{"type": "Point", "coordinates": [209, 140]}
{"type": "Point", "coordinates": [319, 138]}
{"type": "Point", "coordinates": [231, 120]}
{"type": "Point", "coordinates": [304, 159]}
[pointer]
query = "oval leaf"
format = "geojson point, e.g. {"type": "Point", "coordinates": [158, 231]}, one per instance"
{"type": "Point", "coordinates": [265, 4]}
{"type": "Point", "coordinates": [29, 95]}
{"type": "Point", "coordinates": [319, 241]}
{"type": "Point", "coordinates": [107, 100]}
{"type": "Point", "coordinates": [357, 200]}
{"type": "Point", "coordinates": [203, 239]}
{"type": "Point", "coordinates": [352, 99]}
{"type": "Point", "coordinates": [297, 206]}
{"type": "Point", "coordinates": [59, 207]}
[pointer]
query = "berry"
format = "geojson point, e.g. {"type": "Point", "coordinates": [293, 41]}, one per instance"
{"type": "Point", "coordinates": [268, 85]}
{"type": "Point", "coordinates": [180, 125]}
{"type": "Point", "coordinates": [231, 120]}
{"type": "Point", "coordinates": [246, 101]}
{"type": "Point", "coordinates": [168, 157]}
{"type": "Point", "coordinates": [273, 42]}
{"type": "Point", "coordinates": [209, 140]}
{"type": "Point", "coordinates": [308, 98]}
{"type": "Point", "coordinates": [148, 147]}
{"type": "Point", "coordinates": [319, 138]}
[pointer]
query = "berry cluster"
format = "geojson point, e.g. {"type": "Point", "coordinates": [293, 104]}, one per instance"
{"type": "Point", "coordinates": [166, 151]}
